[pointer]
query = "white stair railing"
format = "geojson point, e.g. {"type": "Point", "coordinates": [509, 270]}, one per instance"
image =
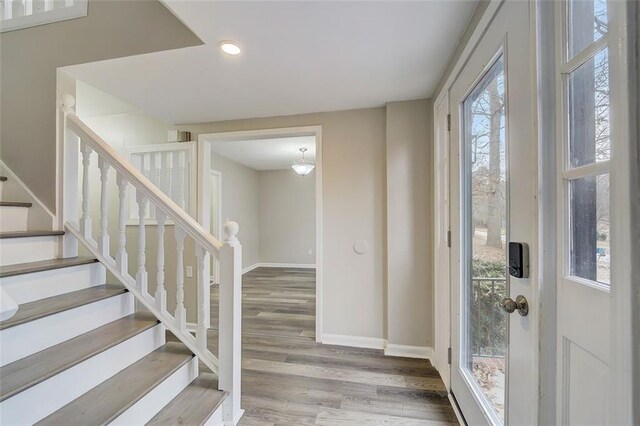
{"type": "Point", "coordinates": [76, 145]}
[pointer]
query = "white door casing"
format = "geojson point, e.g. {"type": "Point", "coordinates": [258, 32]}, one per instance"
{"type": "Point", "coordinates": [510, 34]}
{"type": "Point", "coordinates": [441, 248]}
{"type": "Point", "coordinates": [216, 219]}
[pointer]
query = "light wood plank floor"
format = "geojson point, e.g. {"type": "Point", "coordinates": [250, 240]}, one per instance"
{"type": "Point", "coordinates": [289, 379]}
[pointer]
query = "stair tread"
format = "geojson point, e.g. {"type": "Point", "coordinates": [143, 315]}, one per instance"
{"type": "Point", "coordinates": [114, 396]}
{"type": "Point", "coordinates": [44, 265]}
{"type": "Point", "coordinates": [15, 204]}
{"type": "Point", "coordinates": [24, 234]}
{"type": "Point", "coordinates": [55, 304]}
{"type": "Point", "coordinates": [194, 405]}
{"type": "Point", "coordinates": [31, 370]}
{"type": "Point", "coordinates": [3, 178]}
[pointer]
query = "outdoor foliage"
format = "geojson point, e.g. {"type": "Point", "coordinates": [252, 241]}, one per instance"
{"type": "Point", "coordinates": [488, 321]}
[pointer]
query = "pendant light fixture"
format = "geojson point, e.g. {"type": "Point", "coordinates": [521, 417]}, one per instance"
{"type": "Point", "coordinates": [302, 166]}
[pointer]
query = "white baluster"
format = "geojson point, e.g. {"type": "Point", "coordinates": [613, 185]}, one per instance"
{"type": "Point", "coordinates": [230, 322]}
{"type": "Point", "coordinates": [161, 292]}
{"type": "Point", "coordinates": [181, 313]}
{"type": "Point", "coordinates": [122, 259]}
{"type": "Point", "coordinates": [38, 6]}
{"type": "Point", "coordinates": [17, 8]}
{"type": "Point", "coordinates": [146, 165]}
{"type": "Point", "coordinates": [104, 207]}
{"type": "Point", "coordinates": [85, 221]}
{"type": "Point", "coordinates": [141, 275]}
{"type": "Point", "coordinates": [182, 178]}
{"type": "Point", "coordinates": [156, 177]}
{"type": "Point", "coordinates": [168, 170]}
{"type": "Point", "coordinates": [204, 296]}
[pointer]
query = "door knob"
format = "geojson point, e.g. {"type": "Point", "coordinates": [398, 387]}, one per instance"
{"type": "Point", "coordinates": [520, 304]}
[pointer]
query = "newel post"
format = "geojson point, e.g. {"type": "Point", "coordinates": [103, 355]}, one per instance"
{"type": "Point", "coordinates": [230, 322]}
{"type": "Point", "coordinates": [67, 188]}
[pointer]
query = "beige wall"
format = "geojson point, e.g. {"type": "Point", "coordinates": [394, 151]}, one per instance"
{"type": "Point", "coordinates": [353, 149]}
{"type": "Point", "coordinates": [409, 215]}
{"type": "Point", "coordinates": [287, 217]}
{"type": "Point", "coordinates": [241, 203]}
{"type": "Point", "coordinates": [30, 57]}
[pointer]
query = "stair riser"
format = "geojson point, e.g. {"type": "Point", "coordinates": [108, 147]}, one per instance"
{"type": "Point", "coordinates": [39, 285]}
{"type": "Point", "coordinates": [31, 337]}
{"type": "Point", "coordinates": [29, 249]}
{"type": "Point", "coordinates": [68, 385]}
{"type": "Point", "coordinates": [147, 407]}
{"type": "Point", "coordinates": [216, 418]}
{"type": "Point", "coordinates": [13, 218]}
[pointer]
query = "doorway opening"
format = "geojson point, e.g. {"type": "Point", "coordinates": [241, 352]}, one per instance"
{"type": "Point", "coordinates": [248, 177]}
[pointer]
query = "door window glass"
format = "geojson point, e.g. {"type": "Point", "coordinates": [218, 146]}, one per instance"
{"type": "Point", "coordinates": [485, 335]}
{"type": "Point", "coordinates": [588, 22]}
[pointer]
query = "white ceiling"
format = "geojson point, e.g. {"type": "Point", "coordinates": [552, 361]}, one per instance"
{"type": "Point", "coordinates": [266, 154]}
{"type": "Point", "coordinates": [297, 57]}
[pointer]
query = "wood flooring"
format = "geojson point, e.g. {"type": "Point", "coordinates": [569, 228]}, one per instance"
{"type": "Point", "coordinates": [289, 379]}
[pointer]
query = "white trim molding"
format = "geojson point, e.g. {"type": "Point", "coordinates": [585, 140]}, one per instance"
{"type": "Point", "coordinates": [250, 268]}
{"type": "Point", "coordinates": [420, 352]}
{"type": "Point", "coordinates": [353, 341]}
{"type": "Point", "coordinates": [278, 265]}
{"type": "Point", "coordinates": [44, 218]}
{"type": "Point", "coordinates": [286, 265]}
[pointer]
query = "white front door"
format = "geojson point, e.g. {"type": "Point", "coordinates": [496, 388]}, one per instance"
{"type": "Point", "coordinates": [591, 211]}
{"type": "Point", "coordinates": [493, 200]}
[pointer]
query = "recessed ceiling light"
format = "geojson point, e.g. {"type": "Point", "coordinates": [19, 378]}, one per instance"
{"type": "Point", "coordinates": [230, 47]}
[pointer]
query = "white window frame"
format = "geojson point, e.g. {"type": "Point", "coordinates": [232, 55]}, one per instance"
{"type": "Point", "coordinates": [567, 173]}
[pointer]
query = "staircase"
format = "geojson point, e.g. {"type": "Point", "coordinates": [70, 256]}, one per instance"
{"type": "Point", "coordinates": [76, 348]}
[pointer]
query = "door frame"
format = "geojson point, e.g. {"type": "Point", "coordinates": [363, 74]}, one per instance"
{"type": "Point", "coordinates": [219, 216]}
{"type": "Point", "coordinates": [444, 288]}
{"type": "Point", "coordinates": [204, 164]}
{"type": "Point", "coordinates": [441, 225]}
{"type": "Point", "coordinates": [623, 298]}
{"type": "Point", "coordinates": [441, 232]}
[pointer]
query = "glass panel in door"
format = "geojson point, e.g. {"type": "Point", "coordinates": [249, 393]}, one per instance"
{"type": "Point", "coordinates": [484, 333]}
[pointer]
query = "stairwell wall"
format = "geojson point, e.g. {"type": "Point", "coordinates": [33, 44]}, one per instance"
{"type": "Point", "coordinates": [29, 59]}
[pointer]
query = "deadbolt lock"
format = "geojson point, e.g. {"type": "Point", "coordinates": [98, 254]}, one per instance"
{"type": "Point", "coordinates": [520, 304]}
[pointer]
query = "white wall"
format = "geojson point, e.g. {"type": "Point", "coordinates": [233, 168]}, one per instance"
{"type": "Point", "coordinates": [287, 217]}
{"type": "Point", "coordinates": [241, 203]}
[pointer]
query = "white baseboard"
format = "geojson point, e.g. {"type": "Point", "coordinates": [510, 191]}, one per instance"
{"type": "Point", "coordinates": [250, 268]}
{"type": "Point", "coordinates": [390, 349]}
{"type": "Point", "coordinates": [353, 341]}
{"type": "Point", "coordinates": [456, 409]}
{"type": "Point", "coordinates": [421, 352]}
{"type": "Point", "coordinates": [40, 217]}
{"type": "Point", "coordinates": [286, 265]}
{"type": "Point", "coordinates": [278, 265]}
